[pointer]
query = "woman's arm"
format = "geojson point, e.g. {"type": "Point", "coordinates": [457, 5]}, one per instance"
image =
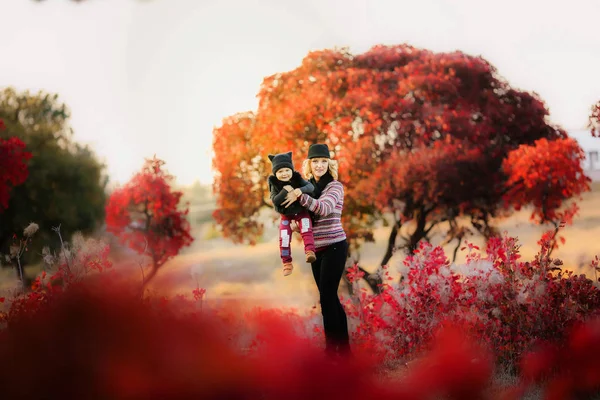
{"type": "Point", "coordinates": [305, 187]}
{"type": "Point", "coordinates": [324, 205]}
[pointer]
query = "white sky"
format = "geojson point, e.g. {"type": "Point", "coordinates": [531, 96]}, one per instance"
{"type": "Point", "coordinates": [146, 77]}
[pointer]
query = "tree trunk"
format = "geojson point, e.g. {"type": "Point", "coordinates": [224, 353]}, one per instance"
{"type": "Point", "coordinates": [373, 280]}
{"type": "Point", "coordinates": [455, 253]}
{"type": "Point", "coordinates": [149, 277]}
{"type": "Point", "coordinates": [419, 233]}
{"type": "Point", "coordinates": [389, 252]}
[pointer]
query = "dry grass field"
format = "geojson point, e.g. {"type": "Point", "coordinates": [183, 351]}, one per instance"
{"type": "Point", "coordinates": [253, 274]}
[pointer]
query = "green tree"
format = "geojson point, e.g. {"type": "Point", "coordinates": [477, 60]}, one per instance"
{"type": "Point", "coordinates": [66, 183]}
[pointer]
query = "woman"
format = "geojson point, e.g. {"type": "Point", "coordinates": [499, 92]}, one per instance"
{"type": "Point", "coordinates": [330, 241]}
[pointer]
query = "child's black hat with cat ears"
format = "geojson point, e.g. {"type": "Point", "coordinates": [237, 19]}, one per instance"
{"type": "Point", "coordinates": [282, 160]}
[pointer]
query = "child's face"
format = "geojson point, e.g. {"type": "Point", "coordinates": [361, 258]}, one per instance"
{"type": "Point", "coordinates": [284, 174]}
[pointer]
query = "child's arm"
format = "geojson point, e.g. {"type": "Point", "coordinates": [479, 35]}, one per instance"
{"type": "Point", "coordinates": [306, 186]}
{"type": "Point", "coordinates": [303, 187]}
{"type": "Point", "coordinates": [277, 197]}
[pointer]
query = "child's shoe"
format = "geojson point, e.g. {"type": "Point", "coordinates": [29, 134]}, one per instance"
{"type": "Point", "coordinates": [310, 256]}
{"type": "Point", "coordinates": [287, 268]}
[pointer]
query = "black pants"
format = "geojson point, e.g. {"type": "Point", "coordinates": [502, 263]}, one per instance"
{"type": "Point", "coordinates": [327, 271]}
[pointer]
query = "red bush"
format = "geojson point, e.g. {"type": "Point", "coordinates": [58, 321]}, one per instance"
{"type": "Point", "coordinates": [13, 166]}
{"type": "Point", "coordinates": [89, 335]}
{"type": "Point", "coordinates": [502, 301]}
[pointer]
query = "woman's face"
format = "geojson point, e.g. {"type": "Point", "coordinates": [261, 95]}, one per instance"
{"type": "Point", "coordinates": [319, 166]}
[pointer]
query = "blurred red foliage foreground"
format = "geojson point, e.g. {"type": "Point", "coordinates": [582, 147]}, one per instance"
{"type": "Point", "coordinates": [97, 339]}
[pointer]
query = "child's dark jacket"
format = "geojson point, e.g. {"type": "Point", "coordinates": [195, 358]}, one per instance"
{"type": "Point", "coordinates": [278, 193]}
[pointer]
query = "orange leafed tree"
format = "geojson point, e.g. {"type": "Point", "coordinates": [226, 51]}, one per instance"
{"type": "Point", "coordinates": [238, 182]}
{"type": "Point", "coordinates": [145, 215]}
{"type": "Point", "coordinates": [423, 137]}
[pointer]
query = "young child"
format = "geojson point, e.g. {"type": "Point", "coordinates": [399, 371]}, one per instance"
{"type": "Point", "coordinates": [284, 180]}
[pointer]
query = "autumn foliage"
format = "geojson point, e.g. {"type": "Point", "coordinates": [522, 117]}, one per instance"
{"type": "Point", "coordinates": [238, 181]}
{"type": "Point", "coordinates": [425, 137]}
{"type": "Point", "coordinates": [509, 304]}
{"type": "Point", "coordinates": [454, 326]}
{"type": "Point", "coordinates": [544, 174]}
{"type": "Point", "coordinates": [145, 215]}
{"type": "Point", "coordinates": [13, 166]}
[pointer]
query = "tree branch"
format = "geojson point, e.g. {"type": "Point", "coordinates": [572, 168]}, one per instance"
{"type": "Point", "coordinates": [455, 252]}
{"type": "Point", "coordinates": [391, 245]}
{"type": "Point", "coordinates": [373, 280]}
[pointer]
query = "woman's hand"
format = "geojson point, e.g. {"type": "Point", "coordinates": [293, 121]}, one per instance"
{"type": "Point", "coordinates": [291, 197]}
{"type": "Point", "coordinates": [289, 188]}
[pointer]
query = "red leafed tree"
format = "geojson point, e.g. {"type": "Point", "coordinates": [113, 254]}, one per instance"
{"type": "Point", "coordinates": [145, 215]}
{"type": "Point", "coordinates": [594, 123]}
{"type": "Point", "coordinates": [13, 166]}
{"type": "Point", "coordinates": [438, 183]}
{"type": "Point", "coordinates": [420, 136]}
{"type": "Point", "coordinates": [544, 174]}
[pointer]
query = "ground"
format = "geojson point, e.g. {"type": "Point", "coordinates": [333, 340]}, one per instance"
{"type": "Point", "coordinates": [254, 273]}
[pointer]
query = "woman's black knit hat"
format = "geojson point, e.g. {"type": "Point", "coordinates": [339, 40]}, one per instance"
{"type": "Point", "coordinates": [318, 150]}
{"type": "Point", "coordinates": [282, 160]}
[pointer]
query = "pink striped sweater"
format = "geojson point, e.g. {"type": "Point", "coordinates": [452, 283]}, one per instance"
{"type": "Point", "coordinates": [327, 228]}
